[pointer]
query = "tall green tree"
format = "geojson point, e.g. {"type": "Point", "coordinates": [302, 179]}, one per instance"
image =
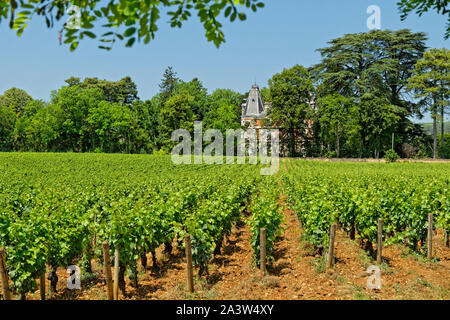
{"type": "Point", "coordinates": [15, 99]}
{"type": "Point", "coordinates": [167, 84]}
{"type": "Point", "coordinates": [265, 94]}
{"type": "Point", "coordinates": [128, 20]}
{"type": "Point", "coordinates": [431, 84]}
{"type": "Point", "coordinates": [373, 64]}
{"type": "Point", "coordinates": [196, 89]}
{"type": "Point", "coordinates": [225, 98]}
{"type": "Point", "coordinates": [7, 122]}
{"type": "Point", "coordinates": [110, 124]}
{"type": "Point", "coordinates": [75, 104]}
{"type": "Point", "coordinates": [23, 107]}
{"type": "Point", "coordinates": [380, 119]}
{"type": "Point", "coordinates": [21, 133]}
{"type": "Point", "coordinates": [224, 110]}
{"type": "Point", "coordinates": [44, 129]}
{"type": "Point", "coordinates": [336, 115]}
{"type": "Point", "coordinates": [176, 114]}
{"type": "Point", "coordinates": [145, 123]}
{"type": "Point", "coordinates": [291, 91]}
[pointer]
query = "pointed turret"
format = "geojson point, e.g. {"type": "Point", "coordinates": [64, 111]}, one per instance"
{"type": "Point", "coordinates": [254, 107]}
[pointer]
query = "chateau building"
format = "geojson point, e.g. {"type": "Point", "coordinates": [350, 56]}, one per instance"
{"type": "Point", "coordinates": [254, 110]}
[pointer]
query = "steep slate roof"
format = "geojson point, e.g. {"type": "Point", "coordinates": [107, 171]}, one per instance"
{"type": "Point", "coordinates": [254, 107]}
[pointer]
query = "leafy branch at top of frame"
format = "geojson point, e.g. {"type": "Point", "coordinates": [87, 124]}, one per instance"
{"type": "Point", "coordinates": [422, 6]}
{"type": "Point", "coordinates": [128, 20]}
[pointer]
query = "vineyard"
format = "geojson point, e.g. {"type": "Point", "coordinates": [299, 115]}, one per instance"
{"type": "Point", "coordinates": [57, 210]}
{"type": "Point", "coordinates": [357, 196]}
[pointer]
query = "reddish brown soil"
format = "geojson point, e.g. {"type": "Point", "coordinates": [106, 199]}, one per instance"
{"type": "Point", "coordinates": [375, 160]}
{"type": "Point", "coordinates": [297, 274]}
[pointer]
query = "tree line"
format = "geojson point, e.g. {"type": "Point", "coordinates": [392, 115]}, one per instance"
{"type": "Point", "coordinates": [358, 101]}
{"type": "Point", "coordinates": [93, 115]}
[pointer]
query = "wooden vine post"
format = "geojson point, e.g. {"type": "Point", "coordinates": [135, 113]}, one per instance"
{"type": "Point", "coordinates": [380, 242]}
{"type": "Point", "coordinates": [4, 275]}
{"type": "Point", "coordinates": [107, 270]}
{"type": "Point", "coordinates": [116, 273]}
{"type": "Point", "coordinates": [330, 260]}
{"type": "Point", "coordinates": [42, 286]}
{"type": "Point", "coordinates": [262, 250]}
{"type": "Point", "coordinates": [447, 238]}
{"type": "Point", "coordinates": [430, 237]}
{"type": "Point", "coordinates": [189, 269]}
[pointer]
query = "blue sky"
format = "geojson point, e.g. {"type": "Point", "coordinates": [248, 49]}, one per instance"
{"type": "Point", "coordinates": [284, 33]}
